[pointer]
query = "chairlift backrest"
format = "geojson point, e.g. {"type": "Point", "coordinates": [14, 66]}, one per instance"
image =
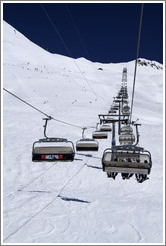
{"type": "Point", "coordinates": [87, 144]}
{"type": "Point", "coordinates": [52, 149]}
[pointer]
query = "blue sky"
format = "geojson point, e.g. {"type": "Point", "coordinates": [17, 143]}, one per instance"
{"type": "Point", "coordinates": [100, 32]}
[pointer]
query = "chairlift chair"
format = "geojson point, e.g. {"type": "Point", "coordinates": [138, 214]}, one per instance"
{"type": "Point", "coordinates": [106, 127]}
{"type": "Point", "coordinates": [125, 96]}
{"type": "Point", "coordinates": [112, 111]}
{"type": "Point", "coordinates": [126, 107]}
{"type": "Point", "coordinates": [126, 110]}
{"type": "Point", "coordinates": [115, 108]}
{"type": "Point", "coordinates": [86, 144]}
{"type": "Point", "coordinates": [118, 96]}
{"type": "Point", "coordinates": [124, 70]}
{"type": "Point", "coordinates": [126, 138]}
{"type": "Point", "coordinates": [116, 105]}
{"type": "Point", "coordinates": [99, 134]}
{"type": "Point", "coordinates": [127, 159]}
{"type": "Point", "coordinates": [52, 149]}
{"type": "Point", "coordinates": [108, 119]}
{"type": "Point", "coordinates": [126, 129]}
{"type": "Point", "coordinates": [125, 102]}
{"type": "Point", "coordinates": [116, 101]}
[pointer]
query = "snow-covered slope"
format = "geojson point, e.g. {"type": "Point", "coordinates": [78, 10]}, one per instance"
{"type": "Point", "coordinates": [75, 202]}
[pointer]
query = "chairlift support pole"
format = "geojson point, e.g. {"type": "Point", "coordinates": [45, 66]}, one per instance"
{"type": "Point", "coordinates": [119, 121]}
{"type": "Point", "coordinates": [113, 134]}
{"type": "Point", "coordinates": [113, 139]}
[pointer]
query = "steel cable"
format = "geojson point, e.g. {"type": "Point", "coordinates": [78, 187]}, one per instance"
{"type": "Point", "coordinates": [69, 52]}
{"type": "Point", "coordinates": [136, 61]}
{"type": "Point", "coordinates": [30, 105]}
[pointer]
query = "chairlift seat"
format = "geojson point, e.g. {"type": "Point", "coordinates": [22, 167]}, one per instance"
{"type": "Point", "coordinates": [125, 96]}
{"type": "Point", "coordinates": [108, 120]}
{"type": "Point", "coordinates": [119, 97]}
{"type": "Point", "coordinates": [114, 107]}
{"type": "Point", "coordinates": [112, 111]}
{"type": "Point", "coordinates": [126, 138]}
{"type": "Point", "coordinates": [126, 112]}
{"type": "Point", "coordinates": [126, 107]}
{"type": "Point", "coordinates": [99, 135]}
{"type": "Point", "coordinates": [87, 144]}
{"type": "Point", "coordinates": [127, 129]}
{"type": "Point", "coordinates": [105, 127]}
{"type": "Point", "coordinates": [116, 100]}
{"type": "Point", "coordinates": [124, 70]}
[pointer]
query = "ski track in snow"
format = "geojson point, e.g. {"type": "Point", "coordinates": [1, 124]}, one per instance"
{"type": "Point", "coordinates": [75, 202]}
{"type": "Point", "coordinates": [47, 205]}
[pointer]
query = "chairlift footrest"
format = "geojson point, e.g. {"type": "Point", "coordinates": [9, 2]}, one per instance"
{"type": "Point", "coordinates": [126, 170]}
{"type": "Point", "coordinates": [53, 157]}
{"type": "Point", "coordinates": [87, 148]}
{"type": "Point", "coordinates": [99, 137]}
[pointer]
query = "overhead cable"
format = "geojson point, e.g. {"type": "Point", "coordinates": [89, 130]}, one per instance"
{"type": "Point", "coordinates": [66, 47]}
{"type": "Point", "coordinates": [30, 105]}
{"type": "Point", "coordinates": [136, 61]}
{"type": "Point", "coordinates": [84, 46]}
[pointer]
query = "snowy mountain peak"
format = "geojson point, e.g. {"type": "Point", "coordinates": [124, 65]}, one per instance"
{"type": "Point", "coordinates": [154, 64]}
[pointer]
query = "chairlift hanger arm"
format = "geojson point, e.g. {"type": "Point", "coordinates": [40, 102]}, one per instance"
{"type": "Point", "coordinates": [83, 132]}
{"type": "Point", "coordinates": [45, 125]}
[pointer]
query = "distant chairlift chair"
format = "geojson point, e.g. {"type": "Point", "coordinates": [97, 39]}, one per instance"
{"type": "Point", "coordinates": [126, 110]}
{"type": "Point", "coordinates": [99, 134]}
{"type": "Point", "coordinates": [86, 144]}
{"type": "Point", "coordinates": [126, 129]}
{"type": "Point", "coordinates": [106, 128]}
{"type": "Point", "coordinates": [126, 138]}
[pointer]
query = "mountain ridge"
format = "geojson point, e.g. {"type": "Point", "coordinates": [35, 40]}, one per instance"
{"type": "Point", "coordinates": [13, 33]}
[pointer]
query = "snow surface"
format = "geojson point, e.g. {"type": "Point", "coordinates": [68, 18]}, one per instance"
{"type": "Point", "coordinates": [75, 202]}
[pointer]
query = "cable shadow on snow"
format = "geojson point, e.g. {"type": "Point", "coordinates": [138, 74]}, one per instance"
{"type": "Point", "coordinates": [73, 199]}
{"type": "Point", "coordinates": [77, 159]}
{"type": "Point", "coordinates": [93, 166]}
{"type": "Point", "coordinates": [88, 155]}
{"type": "Point", "coordinates": [38, 191]}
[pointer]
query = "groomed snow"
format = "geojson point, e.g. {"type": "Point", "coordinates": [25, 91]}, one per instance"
{"type": "Point", "coordinates": [75, 202]}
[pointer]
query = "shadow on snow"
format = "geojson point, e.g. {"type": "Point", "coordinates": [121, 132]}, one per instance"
{"type": "Point", "coordinates": [72, 199]}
